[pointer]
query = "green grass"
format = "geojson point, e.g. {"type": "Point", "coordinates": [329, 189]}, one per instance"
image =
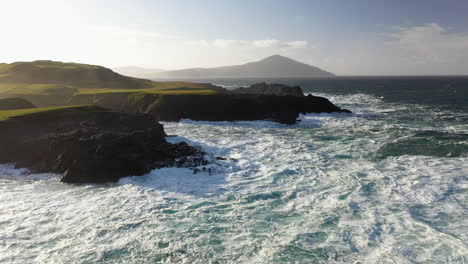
{"type": "Point", "coordinates": [49, 64]}
{"type": "Point", "coordinates": [42, 88]}
{"type": "Point", "coordinates": [155, 87]}
{"type": "Point", "coordinates": [184, 92]}
{"type": "Point", "coordinates": [7, 114]}
{"type": "Point", "coordinates": [3, 67]}
{"type": "Point", "coordinates": [38, 78]}
{"type": "Point", "coordinates": [22, 89]}
{"type": "Point", "coordinates": [67, 65]}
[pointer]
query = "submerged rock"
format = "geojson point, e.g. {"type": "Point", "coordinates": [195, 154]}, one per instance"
{"type": "Point", "coordinates": [91, 145]}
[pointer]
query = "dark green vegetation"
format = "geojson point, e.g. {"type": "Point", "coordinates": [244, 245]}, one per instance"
{"type": "Point", "coordinates": [14, 103]}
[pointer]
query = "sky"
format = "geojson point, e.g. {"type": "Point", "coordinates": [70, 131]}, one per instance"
{"type": "Point", "coordinates": [360, 37]}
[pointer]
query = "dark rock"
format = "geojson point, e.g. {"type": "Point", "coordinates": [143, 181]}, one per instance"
{"type": "Point", "coordinates": [91, 145]}
{"type": "Point", "coordinates": [270, 89]}
{"type": "Point", "coordinates": [273, 105]}
{"type": "Point", "coordinates": [224, 106]}
{"type": "Point", "coordinates": [15, 103]}
{"type": "Point", "coordinates": [281, 109]}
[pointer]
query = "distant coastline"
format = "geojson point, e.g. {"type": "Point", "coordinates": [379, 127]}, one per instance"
{"type": "Point", "coordinates": [273, 66]}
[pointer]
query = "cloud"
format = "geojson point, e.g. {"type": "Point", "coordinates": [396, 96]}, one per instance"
{"type": "Point", "coordinates": [228, 43]}
{"type": "Point", "coordinates": [266, 43]}
{"type": "Point", "coordinates": [135, 33]}
{"type": "Point", "coordinates": [261, 43]}
{"type": "Point", "coordinates": [430, 43]}
{"type": "Point", "coordinates": [298, 44]}
{"type": "Point", "coordinates": [202, 43]}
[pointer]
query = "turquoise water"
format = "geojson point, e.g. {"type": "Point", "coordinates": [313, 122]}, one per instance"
{"type": "Point", "coordinates": [387, 184]}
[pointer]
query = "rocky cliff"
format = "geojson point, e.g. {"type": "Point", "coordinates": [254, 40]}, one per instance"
{"type": "Point", "coordinates": [91, 145]}
{"type": "Point", "coordinates": [222, 107]}
{"type": "Point", "coordinates": [270, 89]}
{"type": "Point", "coordinates": [278, 103]}
{"type": "Point", "coordinates": [15, 103]}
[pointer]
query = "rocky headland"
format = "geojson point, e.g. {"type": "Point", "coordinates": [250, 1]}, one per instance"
{"type": "Point", "coordinates": [91, 145]}
{"type": "Point", "coordinates": [272, 102]}
{"type": "Point", "coordinates": [96, 126]}
{"type": "Point", "coordinates": [269, 89]}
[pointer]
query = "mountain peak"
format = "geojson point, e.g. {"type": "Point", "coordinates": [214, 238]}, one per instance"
{"type": "Point", "coordinates": [275, 66]}
{"type": "Point", "coordinates": [276, 57]}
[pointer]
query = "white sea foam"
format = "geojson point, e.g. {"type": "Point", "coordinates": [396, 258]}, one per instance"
{"type": "Point", "coordinates": [9, 172]}
{"type": "Point", "coordinates": [228, 86]}
{"type": "Point", "coordinates": [310, 193]}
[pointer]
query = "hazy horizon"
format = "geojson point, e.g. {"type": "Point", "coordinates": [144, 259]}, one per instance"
{"type": "Point", "coordinates": [363, 38]}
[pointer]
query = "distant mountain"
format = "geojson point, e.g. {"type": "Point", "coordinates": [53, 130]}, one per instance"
{"type": "Point", "coordinates": [137, 72]}
{"type": "Point", "coordinates": [272, 67]}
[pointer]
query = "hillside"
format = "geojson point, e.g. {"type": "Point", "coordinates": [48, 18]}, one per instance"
{"type": "Point", "coordinates": [275, 66]}
{"type": "Point", "coordinates": [61, 79]}
{"type": "Point", "coordinates": [70, 74]}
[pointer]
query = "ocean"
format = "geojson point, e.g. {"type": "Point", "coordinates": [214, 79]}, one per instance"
{"type": "Point", "coordinates": [386, 184]}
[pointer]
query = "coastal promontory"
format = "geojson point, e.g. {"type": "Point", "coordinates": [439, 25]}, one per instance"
{"type": "Point", "coordinates": [88, 144]}
{"type": "Point", "coordinates": [93, 125]}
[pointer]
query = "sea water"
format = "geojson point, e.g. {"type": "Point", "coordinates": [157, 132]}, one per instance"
{"type": "Point", "coordinates": [386, 184]}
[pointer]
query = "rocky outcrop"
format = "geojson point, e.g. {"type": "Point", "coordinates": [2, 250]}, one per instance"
{"type": "Point", "coordinates": [270, 89]}
{"type": "Point", "coordinates": [281, 109]}
{"type": "Point", "coordinates": [217, 107]}
{"type": "Point", "coordinates": [91, 145]}
{"type": "Point", "coordinates": [274, 102]}
{"type": "Point", "coordinates": [15, 103]}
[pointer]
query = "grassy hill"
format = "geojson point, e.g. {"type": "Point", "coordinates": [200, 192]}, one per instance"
{"type": "Point", "coordinates": [7, 114]}
{"type": "Point", "coordinates": [59, 78]}
{"type": "Point", "coordinates": [72, 74]}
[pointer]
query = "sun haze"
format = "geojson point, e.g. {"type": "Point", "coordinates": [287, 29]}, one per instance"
{"type": "Point", "coordinates": [347, 38]}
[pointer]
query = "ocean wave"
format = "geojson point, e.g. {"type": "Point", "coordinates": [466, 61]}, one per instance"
{"type": "Point", "coordinates": [311, 192]}
{"type": "Point", "coordinates": [178, 182]}
{"type": "Point", "coordinates": [10, 172]}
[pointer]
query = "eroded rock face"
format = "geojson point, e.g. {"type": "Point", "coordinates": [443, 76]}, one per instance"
{"type": "Point", "coordinates": [15, 103]}
{"type": "Point", "coordinates": [281, 109]}
{"type": "Point", "coordinates": [91, 145]}
{"type": "Point", "coordinates": [270, 89]}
